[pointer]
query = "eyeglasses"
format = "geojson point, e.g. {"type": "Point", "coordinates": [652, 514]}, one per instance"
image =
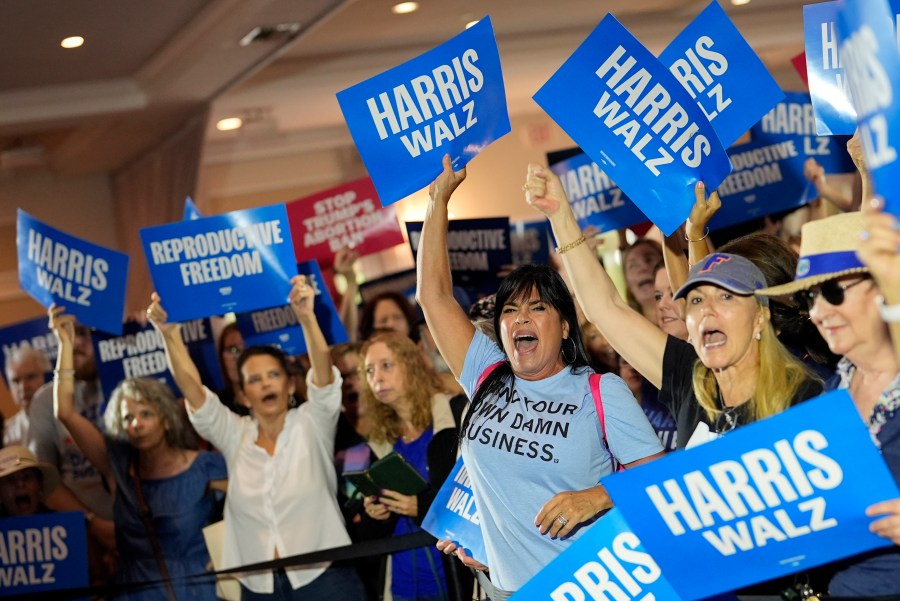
{"type": "Point", "coordinates": [727, 420]}
{"type": "Point", "coordinates": [832, 291]}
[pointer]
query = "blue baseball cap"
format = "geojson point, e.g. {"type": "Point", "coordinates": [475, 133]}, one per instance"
{"type": "Point", "coordinates": [731, 272]}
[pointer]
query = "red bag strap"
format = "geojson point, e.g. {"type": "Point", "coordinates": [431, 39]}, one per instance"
{"type": "Point", "coordinates": [487, 371]}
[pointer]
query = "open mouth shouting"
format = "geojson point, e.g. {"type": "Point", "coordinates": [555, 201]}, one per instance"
{"type": "Point", "coordinates": [712, 339]}
{"type": "Point", "coordinates": [525, 341]}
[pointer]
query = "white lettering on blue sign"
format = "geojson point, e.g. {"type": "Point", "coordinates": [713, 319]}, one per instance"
{"type": "Point", "coordinates": [790, 118]}
{"type": "Point", "coordinates": [655, 108]}
{"type": "Point", "coordinates": [697, 76]}
{"type": "Point", "coordinates": [66, 272]}
{"type": "Point", "coordinates": [762, 479]}
{"type": "Point", "coordinates": [445, 89]}
{"type": "Point", "coordinates": [757, 167]}
{"type": "Point", "coordinates": [33, 545]}
{"type": "Point", "coordinates": [619, 574]}
{"type": "Point", "coordinates": [210, 244]}
{"type": "Point", "coordinates": [872, 92]}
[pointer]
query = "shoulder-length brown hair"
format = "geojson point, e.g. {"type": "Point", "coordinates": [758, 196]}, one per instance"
{"type": "Point", "coordinates": [419, 384]}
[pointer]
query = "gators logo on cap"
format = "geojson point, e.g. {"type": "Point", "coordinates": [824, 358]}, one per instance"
{"type": "Point", "coordinates": [712, 261]}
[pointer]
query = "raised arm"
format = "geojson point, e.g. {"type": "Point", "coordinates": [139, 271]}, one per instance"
{"type": "Point", "coordinates": [696, 230]}
{"type": "Point", "coordinates": [301, 298]}
{"type": "Point", "coordinates": [86, 436]}
{"type": "Point", "coordinates": [640, 342]}
{"type": "Point", "coordinates": [815, 174]}
{"type": "Point", "coordinates": [676, 262]}
{"type": "Point", "coordinates": [185, 373]}
{"type": "Point", "coordinates": [349, 314]}
{"type": "Point", "coordinates": [880, 251]}
{"type": "Point", "coordinates": [449, 324]}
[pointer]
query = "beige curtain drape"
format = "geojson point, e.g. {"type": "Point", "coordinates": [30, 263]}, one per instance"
{"type": "Point", "coordinates": [151, 191]}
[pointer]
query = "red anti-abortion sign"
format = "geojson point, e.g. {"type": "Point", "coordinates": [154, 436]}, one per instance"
{"type": "Point", "coordinates": [350, 215]}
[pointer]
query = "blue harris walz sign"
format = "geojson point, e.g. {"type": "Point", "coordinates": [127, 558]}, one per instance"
{"type": "Point", "coordinates": [794, 119]}
{"type": "Point", "coordinates": [772, 498]}
{"type": "Point", "coordinates": [87, 279]}
{"type": "Point", "coordinates": [453, 514]}
{"type": "Point", "coordinates": [828, 79]}
{"type": "Point", "coordinates": [720, 70]}
{"type": "Point", "coordinates": [595, 198]}
{"type": "Point", "coordinates": [41, 553]}
{"type": "Point", "coordinates": [633, 117]}
{"type": "Point", "coordinates": [606, 562]}
{"type": "Point", "coordinates": [450, 100]}
{"type": "Point", "coordinates": [872, 67]}
{"type": "Point", "coordinates": [239, 261]}
{"type": "Point", "coordinates": [277, 326]}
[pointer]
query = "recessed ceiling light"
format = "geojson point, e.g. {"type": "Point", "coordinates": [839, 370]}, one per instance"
{"type": "Point", "coordinates": [405, 7]}
{"type": "Point", "coordinates": [472, 23]}
{"type": "Point", "coordinates": [740, 2]}
{"type": "Point", "coordinates": [229, 123]}
{"type": "Point", "coordinates": [74, 41]}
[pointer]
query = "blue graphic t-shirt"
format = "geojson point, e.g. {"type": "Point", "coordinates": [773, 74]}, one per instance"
{"type": "Point", "coordinates": [547, 440]}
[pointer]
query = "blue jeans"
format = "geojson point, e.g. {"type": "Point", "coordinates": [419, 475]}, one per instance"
{"type": "Point", "coordinates": [334, 583]}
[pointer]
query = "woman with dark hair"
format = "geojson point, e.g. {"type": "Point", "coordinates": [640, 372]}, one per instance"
{"type": "Point", "coordinates": [388, 310]}
{"type": "Point", "coordinates": [163, 486]}
{"type": "Point", "coordinates": [733, 371]}
{"type": "Point", "coordinates": [532, 439]}
{"type": "Point", "coordinates": [282, 484]}
{"type": "Point", "coordinates": [408, 413]}
{"type": "Point", "coordinates": [230, 346]}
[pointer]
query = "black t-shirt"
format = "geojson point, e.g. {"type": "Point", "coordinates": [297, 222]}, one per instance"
{"type": "Point", "coordinates": [677, 391]}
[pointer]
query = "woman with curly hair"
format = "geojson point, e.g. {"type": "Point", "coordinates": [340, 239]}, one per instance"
{"type": "Point", "coordinates": [163, 486]}
{"type": "Point", "coordinates": [408, 413]}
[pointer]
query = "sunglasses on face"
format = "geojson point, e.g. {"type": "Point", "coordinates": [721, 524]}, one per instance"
{"type": "Point", "coordinates": [727, 420]}
{"type": "Point", "coordinates": [832, 291]}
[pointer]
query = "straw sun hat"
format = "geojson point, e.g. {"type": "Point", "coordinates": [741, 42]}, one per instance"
{"type": "Point", "coordinates": [15, 458]}
{"type": "Point", "coordinates": [827, 251]}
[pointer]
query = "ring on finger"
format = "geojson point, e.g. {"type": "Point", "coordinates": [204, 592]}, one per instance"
{"type": "Point", "coordinates": [562, 519]}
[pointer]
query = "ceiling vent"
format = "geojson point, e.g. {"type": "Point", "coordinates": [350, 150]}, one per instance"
{"type": "Point", "coordinates": [270, 33]}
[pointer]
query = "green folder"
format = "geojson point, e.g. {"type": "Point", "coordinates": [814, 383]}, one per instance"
{"type": "Point", "coordinates": [391, 472]}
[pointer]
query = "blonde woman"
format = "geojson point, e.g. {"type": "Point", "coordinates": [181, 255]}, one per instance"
{"type": "Point", "coordinates": [732, 372]}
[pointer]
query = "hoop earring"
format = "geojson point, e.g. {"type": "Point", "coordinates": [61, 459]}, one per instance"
{"type": "Point", "coordinates": [574, 351]}
{"type": "Point", "coordinates": [292, 402]}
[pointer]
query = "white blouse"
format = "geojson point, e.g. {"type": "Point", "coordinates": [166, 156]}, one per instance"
{"type": "Point", "coordinates": [286, 501]}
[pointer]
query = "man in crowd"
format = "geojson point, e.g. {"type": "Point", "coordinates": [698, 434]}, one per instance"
{"type": "Point", "coordinates": [26, 369]}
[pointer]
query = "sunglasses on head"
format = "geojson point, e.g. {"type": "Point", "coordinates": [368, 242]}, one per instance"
{"type": "Point", "coordinates": [832, 291]}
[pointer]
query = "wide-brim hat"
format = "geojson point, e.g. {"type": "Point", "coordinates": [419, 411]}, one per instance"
{"type": "Point", "coordinates": [15, 458]}
{"type": "Point", "coordinates": [827, 251]}
{"type": "Point", "coordinates": [730, 272]}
